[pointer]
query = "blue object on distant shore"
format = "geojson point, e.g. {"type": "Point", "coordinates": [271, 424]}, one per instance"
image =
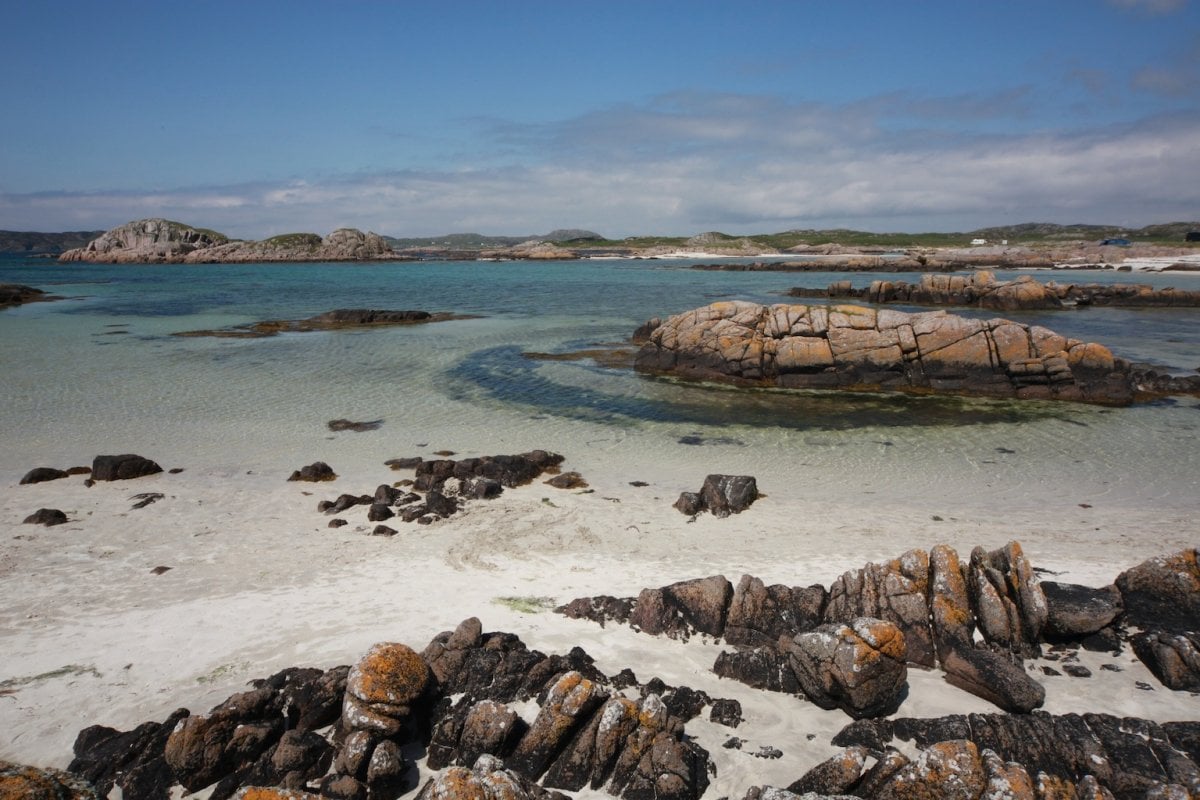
{"type": "Point", "coordinates": [1117, 242]}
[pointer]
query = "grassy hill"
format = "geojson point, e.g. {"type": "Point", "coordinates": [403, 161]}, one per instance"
{"type": "Point", "coordinates": [32, 242]}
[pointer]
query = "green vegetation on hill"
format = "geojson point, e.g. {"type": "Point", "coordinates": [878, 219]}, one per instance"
{"type": "Point", "coordinates": [294, 240]}
{"type": "Point", "coordinates": [33, 243]}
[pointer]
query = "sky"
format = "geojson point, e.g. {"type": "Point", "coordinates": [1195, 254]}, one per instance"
{"type": "Point", "coordinates": [625, 117]}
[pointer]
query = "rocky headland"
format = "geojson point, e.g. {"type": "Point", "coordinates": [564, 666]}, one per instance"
{"type": "Point", "coordinates": [855, 348]}
{"type": "Point", "coordinates": [161, 241]}
{"type": "Point", "coordinates": [982, 290]}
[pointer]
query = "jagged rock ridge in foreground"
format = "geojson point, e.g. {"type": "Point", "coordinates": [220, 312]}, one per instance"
{"type": "Point", "coordinates": [161, 241]}
{"type": "Point", "coordinates": [940, 605]}
{"type": "Point", "coordinates": [863, 349]}
{"type": "Point", "coordinates": [347, 732]}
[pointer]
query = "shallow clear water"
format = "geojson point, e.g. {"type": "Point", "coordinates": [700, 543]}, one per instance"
{"type": "Point", "coordinates": [100, 372]}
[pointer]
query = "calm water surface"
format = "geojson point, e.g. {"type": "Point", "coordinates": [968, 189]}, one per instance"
{"type": "Point", "coordinates": [100, 372]}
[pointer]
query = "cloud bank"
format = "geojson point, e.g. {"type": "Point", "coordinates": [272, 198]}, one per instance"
{"type": "Point", "coordinates": [688, 162]}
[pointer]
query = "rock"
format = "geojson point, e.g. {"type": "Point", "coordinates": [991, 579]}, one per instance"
{"type": "Point", "coordinates": [1010, 607]}
{"type": "Point", "coordinates": [1163, 594]}
{"type": "Point", "coordinates": [20, 782]}
{"type": "Point", "coordinates": [678, 610]}
{"type": "Point", "coordinates": [951, 620]}
{"type": "Point", "coordinates": [378, 512]}
{"type": "Point", "coordinates": [836, 775]}
{"type": "Point", "coordinates": [15, 294]}
{"type": "Point", "coordinates": [655, 762]}
{"type": "Point", "coordinates": [383, 530]}
{"type": "Point", "coordinates": [386, 767]}
{"type": "Point", "coordinates": [723, 495]}
{"type": "Point", "coordinates": [855, 348]}
{"type": "Point", "coordinates": [132, 761]}
{"type": "Point", "coordinates": [145, 241]}
{"type": "Point", "coordinates": [122, 467]}
{"type": "Point", "coordinates": [689, 503]}
{"type": "Point", "coordinates": [760, 614]}
{"type": "Point", "coordinates": [726, 712]}
{"type": "Point", "coordinates": [995, 678]}
{"type": "Point", "coordinates": [1075, 611]}
{"type": "Point", "coordinates": [488, 779]}
{"type": "Point", "coordinates": [42, 474]}
{"type": "Point", "coordinates": [1173, 658]}
{"type": "Point", "coordinates": [949, 770]}
{"type": "Point", "coordinates": [439, 504]}
{"type": "Point", "coordinates": [315, 472]}
{"type": "Point", "coordinates": [273, 793]}
{"type": "Point", "coordinates": [858, 667]}
{"type": "Point", "coordinates": [760, 667]}
{"type": "Point", "coordinates": [349, 425]}
{"type": "Point", "coordinates": [895, 592]}
{"type": "Point", "coordinates": [389, 680]}
{"type": "Point", "coordinates": [568, 706]}
{"type": "Point", "coordinates": [480, 489]}
{"type": "Point", "coordinates": [47, 517]}
{"type": "Point", "coordinates": [337, 522]}
{"type": "Point", "coordinates": [404, 463]}
{"type": "Point", "coordinates": [641, 334]}
{"type": "Point", "coordinates": [567, 480]}
{"type": "Point", "coordinates": [302, 752]}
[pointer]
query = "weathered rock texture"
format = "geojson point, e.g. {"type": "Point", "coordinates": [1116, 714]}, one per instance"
{"type": "Point", "coordinates": [940, 606]}
{"type": "Point", "coordinates": [20, 782]}
{"type": "Point", "coordinates": [721, 495]}
{"type": "Point", "coordinates": [1055, 756]}
{"type": "Point", "coordinates": [453, 699]}
{"type": "Point", "coordinates": [982, 290]}
{"type": "Point", "coordinates": [864, 349]}
{"type": "Point", "coordinates": [858, 667]}
{"type": "Point", "coordinates": [164, 241]}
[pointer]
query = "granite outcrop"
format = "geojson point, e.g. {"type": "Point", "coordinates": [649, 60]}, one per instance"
{"type": "Point", "coordinates": [162, 241]}
{"type": "Point", "coordinates": [855, 348]}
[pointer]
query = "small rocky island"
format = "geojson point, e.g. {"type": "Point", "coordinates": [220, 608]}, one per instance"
{"type": "Point", "coordinates": [854, 348]}
{"type": "Point", "coordinates": [161, 241]}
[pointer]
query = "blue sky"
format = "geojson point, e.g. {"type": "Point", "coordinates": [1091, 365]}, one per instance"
{"type": "Point", "coordinates": [422, 118]}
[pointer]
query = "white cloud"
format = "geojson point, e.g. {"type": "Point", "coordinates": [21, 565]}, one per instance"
{"type": "Point", "coordinates": [691, 162]}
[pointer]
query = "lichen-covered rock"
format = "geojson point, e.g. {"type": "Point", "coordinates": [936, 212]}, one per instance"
{"type": "Point", "coordinates": [760, 614]}
{"type": "Point", "coordinates": [951, 619]}
{"type": "Point", "coordinates": [568, 706]}
{"type": "Point", "coordinates": [1163, 594]}
{"type": "Point", "coordinates": [949, 770]}
{"type": "Point", "coordinates": [858, 667]}
{"type": "Point", "coordinates": [855, 348]}
{"type": "Point", "coordinates": [684, 608]}
{"type": "Point", "coordinates": [1173, 658]}
{"type": "Point", "coordinates": [836, 775]}
{"type": "Point", "coordinates": [20, 782]}
{"type": "Point", "coordinates": [896, 592]}
{"type": "Point", "coordinates": [383, 689]}
{"type": "Point", "coordinates": [1010, 607]}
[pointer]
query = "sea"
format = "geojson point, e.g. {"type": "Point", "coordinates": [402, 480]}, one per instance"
{"type": "Point", "coordinates": [101, 372]}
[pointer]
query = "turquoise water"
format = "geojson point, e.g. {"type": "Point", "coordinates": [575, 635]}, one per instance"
{"type": "Point", "coordinates": [100, 372]}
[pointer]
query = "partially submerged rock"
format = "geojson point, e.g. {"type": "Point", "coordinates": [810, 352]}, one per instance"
{"type": "Point", "coordinates": [338, 319]}
{"type": "Point", "coordinates": [861, 349]}
{"type": "Point", "coordinates": [15, 294]}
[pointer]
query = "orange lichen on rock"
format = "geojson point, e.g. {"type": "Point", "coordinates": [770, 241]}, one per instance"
{"type": "Point", "coordinates": [389, 673]}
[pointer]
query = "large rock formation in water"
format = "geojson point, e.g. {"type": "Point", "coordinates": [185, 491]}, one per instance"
{"type": "Point", "coordinates": [151, 241]}
{"type": "Point", "coordinates": [855, 348]}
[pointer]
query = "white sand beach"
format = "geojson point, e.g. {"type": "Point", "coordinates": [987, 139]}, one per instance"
{"type": "Point", "coordinates": [90, 635]}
